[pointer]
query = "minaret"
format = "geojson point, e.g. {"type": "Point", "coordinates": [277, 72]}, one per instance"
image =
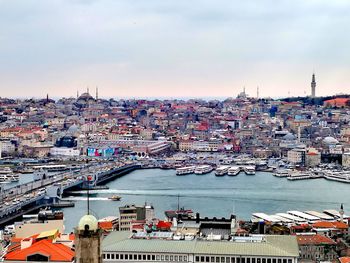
{"type": "Point", "coordinates": [96, 93]}
{"type": "Point", "coordinates": [87, 90]}
{"type": "Point", "coordinates": [341, 212]}
{"type": "Point", "coordinates": [257, 92]}
{"type": "Point", "coordinates": [77, 94]}
{"type": "Point", "coordinates": [313, 86]}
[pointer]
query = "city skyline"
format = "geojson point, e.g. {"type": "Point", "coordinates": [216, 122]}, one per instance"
{"type": "Point", "coordinates": [173, 49]}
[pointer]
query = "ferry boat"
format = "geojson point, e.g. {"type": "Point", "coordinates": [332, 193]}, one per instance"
{"type": "Point", "coordinates": [203, 169]}
{"type": "Point", "coordinates": [282, 173]}
{"type": "Point", "coordinates": [249, 170]}
{"type": "Point", "coordinates": [185, 170]}
{"type": "Point", "coordinates": [8, 178]}
{"type": "Point", "coordinates": [115, 198]}
{"type": "Point", "coordinates": [222, 170]}
{"type": "Point", "coordinates": [343, 177]}
{"type": "Point", "coordinates": [299, 176]}
{"type": "Point", "coordinates": [234, 170]}
{"type": "Point", "coordinates": [5, 170]}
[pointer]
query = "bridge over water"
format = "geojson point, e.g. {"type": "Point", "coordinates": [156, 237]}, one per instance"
{"type": "Point", "coordinates": [28, 197]}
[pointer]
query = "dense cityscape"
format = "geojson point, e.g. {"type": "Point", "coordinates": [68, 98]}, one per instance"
{"type": "Point", "coordinates": [54, 148]}
{"type": "Point", "coordinates": [174, 131]}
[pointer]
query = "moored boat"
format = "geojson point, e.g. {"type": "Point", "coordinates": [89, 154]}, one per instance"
{"type": "Point", "coordinates": [203, 169]}
{"type": "Point", "coordinates": [221, 171]}
{"type": "Point", "coordinates": [234, 170]}
{"type": "Point", "coordinates": [185, 170]}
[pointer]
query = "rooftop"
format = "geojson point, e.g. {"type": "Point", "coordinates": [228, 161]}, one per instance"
{"type": "Point", "coordinates": [269, 246]}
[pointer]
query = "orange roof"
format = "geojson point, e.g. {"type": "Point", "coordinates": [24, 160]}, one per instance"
{"type": "Point", "coordinates": [105, 225]}
{"type": "Point", "coordinates": [326, 224]}
{"type": "Point", "coordinates": [344, 260]}
{"type": "Point", "coordinates": [314, 240]}
{"type": "Point", "coordinates": [55, 252]}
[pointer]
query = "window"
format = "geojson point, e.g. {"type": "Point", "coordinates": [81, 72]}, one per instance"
{"type": "Point", "coordinates": [269, 260]}
{"type": "Point", "coordinates": [222, 259]}
{"type": "Point", "coordinates": [112, 256]}
{"type": "Point", "coordinates": [185, 258]}
{"type": "Point", "coordinates": [217, 259]}
{"type": "Point", "coordinates": [242, 260]}
{"type": "Point", "coordinates": [258, 260]}
{"type": "Point", "coordinates": [176, 258]}
{"type": "Point", "coordinates": [289, 261]}
{"type": "Point", "coordinates": [197, 258]}
{"type": "Point", "coordinates": [162, 258]}
{"type": "Point", "coordinates": [253, 260]}
{"type": "Point", "coordinates": [233, 260]}
{"type": "Point", "coordinates": [139, 257]}
{"type": "Point", "coordinates": [248, 260]}
{"type": "Point", "coordinates": [264, 260]}
{"type": "Point", "coordinates": [212, 259]}
{"type": "Point", "coordinates": [116, 256]}
{"type": "Point", "coordinates": [153, 257]}
{"type": "Point", "coordinates": [202, 258]}
{"type": "Point", "coordinates": [238, 260]}
{"type": "Point", "coordinates": [126, 256]}
{"type": "Point", "coordinates": [166, 258]}
{"type": "Point", "coordinates": [157, 257]}
{"type": "Point", "coordinates": [108, 256]}
{"type": "Point", "coordinates": [148, 257]}
{"type": "Point", "coordinates": [143, 257]}
{"type": "Point", "coordinates": [207, 259]}
{"type": "Point", "coordinates": [227, 260]}
{"type": "Point", "coordinates": [284, 260]}
{"type": "Point", "coordinates": [274, 260]}
{"type": "Point", "coordinates": [104, 256]}
{"type": "Point", "coordinates": [279, 260]}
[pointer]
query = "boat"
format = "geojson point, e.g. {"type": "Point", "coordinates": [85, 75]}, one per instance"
{"type": "Point", "coordinates": [5, 170]}
{"type": "Point", "coordinates": [203, 169]}
{"type": "Point", "coordinates": [343, 177]}
{"type": "Point", "coordinates": [234, 170]}
{"type": "Point", "coordinates": [299, 176]}
{"type": "Point", "coordinates": [282, 173]}
{"type": "Point", "coordinates": [249, 170]}
{"type": "Point", "coordinates": [185, 170]}
{"type": "Point", "coordinates": [115, 198]}
{"type": "Point", "coordinates": [9, 178]}
{"type": "Point", "coordinates": [222, 170]}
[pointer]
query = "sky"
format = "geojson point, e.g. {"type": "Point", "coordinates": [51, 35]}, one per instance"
{"type": "Point", "coordinates": [173, 48]}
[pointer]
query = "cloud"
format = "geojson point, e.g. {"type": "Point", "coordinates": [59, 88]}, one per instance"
{"type": "Point", "coordinates": [163, 47]}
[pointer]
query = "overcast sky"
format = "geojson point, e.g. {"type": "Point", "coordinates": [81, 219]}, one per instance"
{"type": "Point", "coordinates": [176, 48]}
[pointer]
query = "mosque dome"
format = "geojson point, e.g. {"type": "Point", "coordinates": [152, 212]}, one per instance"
{"type": "Point", "coordinates": [330, 140]}
{"type": "Point", "coordinates": [85, 96]}
{"type": "Point", "coordinates": [289, 137]}
{"type": "Point", "coordinates": [90, 221]}
{"type": "Point", "coordinates": [73, 129]}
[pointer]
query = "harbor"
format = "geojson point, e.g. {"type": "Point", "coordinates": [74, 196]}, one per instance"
{"type": "Point", "coordinates": [210, 195]}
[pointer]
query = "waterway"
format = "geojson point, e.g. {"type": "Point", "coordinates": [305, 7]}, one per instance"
{"type": "Point", "coordinates": [210, 195]}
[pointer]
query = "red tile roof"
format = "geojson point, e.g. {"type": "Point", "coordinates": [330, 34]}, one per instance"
{"type": "Point", "coordinates": [56, 252]}
{"type": "Point", "coordinates": [326, 224]}
{"type": "Point", "coordinates": [344, 260]}
{"type": "Point", "coordinates": [314, 240]}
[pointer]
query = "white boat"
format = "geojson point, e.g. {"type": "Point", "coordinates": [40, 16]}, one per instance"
{"type": "Point", "coordinates": [234, 170]}
{"type": "Point", "coordinates": [299, 176]}
{"type": "Point", "coordinates": [185, 170]}
{"type": "Point", "coordinates": [203, 169]}
{"type": "Point", "coordinates": [8, 178]}
{"type": "Point", "coordinates": [282, 173]}
{"type": "Point", "coordinates": [343, 177]}
{"type": "Point", "coordinates": [249, 170]}
{"type": "Point", "coordinates": [222, 170]}
{"type": "Point", "coordinates": [5, 170]}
